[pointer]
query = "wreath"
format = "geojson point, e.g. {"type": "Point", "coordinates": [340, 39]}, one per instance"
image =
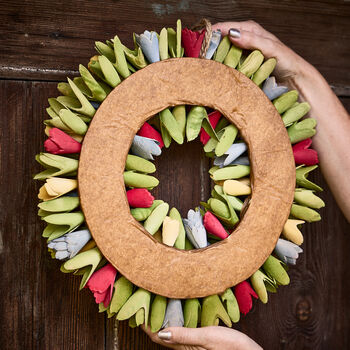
{"type": "Point", "coordinates": [67, 234]}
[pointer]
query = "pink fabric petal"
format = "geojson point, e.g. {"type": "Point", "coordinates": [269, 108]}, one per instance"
{"type": "Point", "coordinates": [61, 143]}
{"type": "Point", "coordinates": [214, 118]}
{"type": "Point", "coordinates": [214, 226]}
{"type": "Point", "coordinates": [147, 130]}
{"type": "Point", "coordinates": [101, 284]}
{"type": "Point", "coordinates": [244, 293]}
{"type": "Point", "coordinates": [139, 198]}
{"type": "Point", "coordinates": [192, 42]}
{"type": "Point", "coordinates": [304, 155]}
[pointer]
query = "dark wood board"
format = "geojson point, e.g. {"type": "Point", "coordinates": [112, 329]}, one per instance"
{"type": "Point", "coordinates": [42, 308]}
{"type": "Point", "coordinates": [48, 39]}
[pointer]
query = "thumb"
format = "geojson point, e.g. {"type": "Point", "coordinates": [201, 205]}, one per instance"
{"type": "Point", "coordinates": [251, 41]}
{"type": "Point", "coordinates": [183, 336]}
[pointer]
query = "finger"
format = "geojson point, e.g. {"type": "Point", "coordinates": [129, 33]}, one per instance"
{"type": "Point", "coordinates": [249, 26]}
{"type": "Point", "coordinates": [251, 41]}
{"type": "Point", "coordinates": [184, 336]}
{"type": "Point", "coordinates": [155, 338]}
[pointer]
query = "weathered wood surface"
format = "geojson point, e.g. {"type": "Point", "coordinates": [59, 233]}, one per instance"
{"type": "Point", "coordinates": [41, 307]}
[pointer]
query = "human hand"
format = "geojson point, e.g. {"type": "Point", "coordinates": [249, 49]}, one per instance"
{"type": "Point", "coordinates": [206, 338]}
{"type": "Point", "coordinates": [251, 35]}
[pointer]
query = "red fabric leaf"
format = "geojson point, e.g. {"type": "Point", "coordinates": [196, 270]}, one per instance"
{"type": "Point", "coordinates": [101, 284]}
{"type": "Point", "coordinates": [61, 143]}
{"type": "Point", "coordinates": [214, 226]}
{"type": "Point", "coordinates": [244, 293]}
{"type": "Point", "coordinates": [139, 198]}
{"type": "Point", "coordinates": [192, 42]}
{"type": "Point", "coordinates": [304, 155]}
{"type": "Point", "coordinates": [214, 118]}
{"type": "Point", "coordinates": [150, 132]}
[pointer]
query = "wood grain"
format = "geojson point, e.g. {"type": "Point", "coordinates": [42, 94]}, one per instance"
{"type": "Point", "coordinates": [46, 40]}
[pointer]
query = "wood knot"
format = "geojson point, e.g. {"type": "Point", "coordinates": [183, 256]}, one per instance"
{"type": "Point", "coordinates": [303, 310]}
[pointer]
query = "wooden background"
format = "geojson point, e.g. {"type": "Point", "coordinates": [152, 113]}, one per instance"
{"type": "Point", "coordinates": [41, 43]}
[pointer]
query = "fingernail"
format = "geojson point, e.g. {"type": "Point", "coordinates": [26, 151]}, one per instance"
{"type": "Point", "coordinates": [164, 335]}
{"type": "Point", "coordinates": [234, 33]}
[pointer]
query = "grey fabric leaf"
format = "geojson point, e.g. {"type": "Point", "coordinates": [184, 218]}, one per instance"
{"type": "Point", "coordinates": [214, 43]}
{"type": "Point", "coordinates": [69, 244]}
{"type": "Point", "coordinates": [145, 147]}
{"type": "Point", "coordinates": [231, 154]}
{"type": "Point", "coordinates": [287, 251]}
{"type": "Point", "coordinates": [195, 229]}
{"type": "Point", "coordinates": [242, 160]}
{"type": "Point", "coordinates": [173, 315]}
{"type": "Point", "coordinates": [148, 41]}
{"type": "Point", "coordinates": [272, 90]}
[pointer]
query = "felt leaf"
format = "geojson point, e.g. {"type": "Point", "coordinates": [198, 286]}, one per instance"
{"type": "Point", "coordinates": [165, 135]}
{"type": "Point", "coordinates": [122, 292]}
{"type": "Point", "coordinates": [236, 188]}
{"type": "Point", "coordinates": [192, 313]}
{"type": "Point", "coordinates": [302, 130]}
{"type": "Point", "coordinates": [304, 155]}
{"type": "Point", "coordinates": [158, 309]}
{"type": "Point", "coordinates": [62, 204]}
{"type": "Point", "coordinates": [264, 71]}
{"type": "Point", "coordinates": [218, 193]}
{"type": "Point", "coordinates": [304, 213]}
{"type": "Point", "coordinates": [274, 269]}
{"type": "Point", "coordinates": [148, 41]}
{"type": "Point", "coordinates": [91, 258]}
{"type": "Point", "coordinates": [213, 118]}
{"type": "Point", "coordinates": [135, 57]}
{"type": "Point", "coordinates": [223, 49]}
{"type": "Point", "coordinates": [195, 229]}
{"type": "Point", "coordinates": [233, 56]}
{"type": "Point", "coordinates": [170, 232]}
{"type": "Point", "coordinates": [172, 42]}
{"type": "Point", "coordinates": [234, 151]}
{"type": "Point", "coordinates": [163, 44]}
{"type": "Point", "coordinates": [141, 214]}
{"type": "Point", "coordinates": [132, 179]}
{"type": "Point", "coordinates": [179, 48]}
{"type": "Point", "coordinates": [55, 165]}
{"type": "Point", "coordinates": [226, 140]}
{"type": "Point", "coordinates": [259, 281]}
{"type": "Point", "coordinates": [231, 172]}
{"type": "Point", "coordinates": [139, 198]}
{"type": "Point", "coordinates": [148, 131]}
{"type": "Point", "coordinates": [194, 122]}
{"type": "Point", "coordinates": [302, 174]}
{"type": "Point", "coordinates": [180, 240]}
{"type": "Point", "coordinates": [72, 122]}
{"type": "Point", "coordinates": [56, 187]}
{"type": "Point", "coordinates": [101, 284]}
{"type": "Point", "coordinates": [192, 42]}
{"type": "Point", "coordinates": [170, 123]}
{"type": "Point", "coordinates": [214, 43]}
{"type": "Point", "coordinates": [242, 160]}
{"type": "Point", "coordinates": [156, 218]}
{"type": "Point", "coordinates": [213, 311]}
{"type": "Point", "coordinates": [287, 251]}
{"type": "Point", "coordinates": [285, 101]}
{"type": "Point", "coordinates": [295, 113]}
{"type": "Point", "coordinates": [179, 113]}
{"type": "Point", "coordinates": [145, 147]}
{"type": "Point", "coordinates": [230, 301]}
{"type": "Point", "coordinates": [61, 143]}
{"type": "Point", "coordinates": [110, 74]}
{"type": "Point", "coordinates": [272, 90]}
{"type": "Point", "coordinates": [308, 198]}
{"type": "Point", "coordinates": [244, 294]}
{"type": "Point", "coordinates": [69, 244]}
{"type": "Point", "coordinates": [173, 315]}
{"type": "Point", "coordinates": [139, 164]}
{"type": "Point", "coordinates": [61, 223]}
{"type": "Point", "coordinates": [119, 60]}
{"type": "Point", "coordinates": [139, 300]}
{"type": "Point", "coordinates": [213, 226]}
{"type": "Point", "coordinates": [291, 231]}
{"type": "Point", "coordinates": [252, 63]}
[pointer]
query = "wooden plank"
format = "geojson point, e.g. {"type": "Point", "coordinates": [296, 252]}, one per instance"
{"type": "Point", "coordinates": [44, 40]}
{"type": "Point", "coordinates": [41, 307]}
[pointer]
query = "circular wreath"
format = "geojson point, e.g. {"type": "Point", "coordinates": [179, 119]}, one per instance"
{"type": "Point", "coordinates": [69, 238]}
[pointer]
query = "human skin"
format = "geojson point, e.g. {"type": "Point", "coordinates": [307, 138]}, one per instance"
{"type": "Point", "coordinates": [332, 142]}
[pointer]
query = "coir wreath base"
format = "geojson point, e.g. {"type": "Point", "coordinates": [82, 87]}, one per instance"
{"type": "Point", "coordinates": [123, 241]}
